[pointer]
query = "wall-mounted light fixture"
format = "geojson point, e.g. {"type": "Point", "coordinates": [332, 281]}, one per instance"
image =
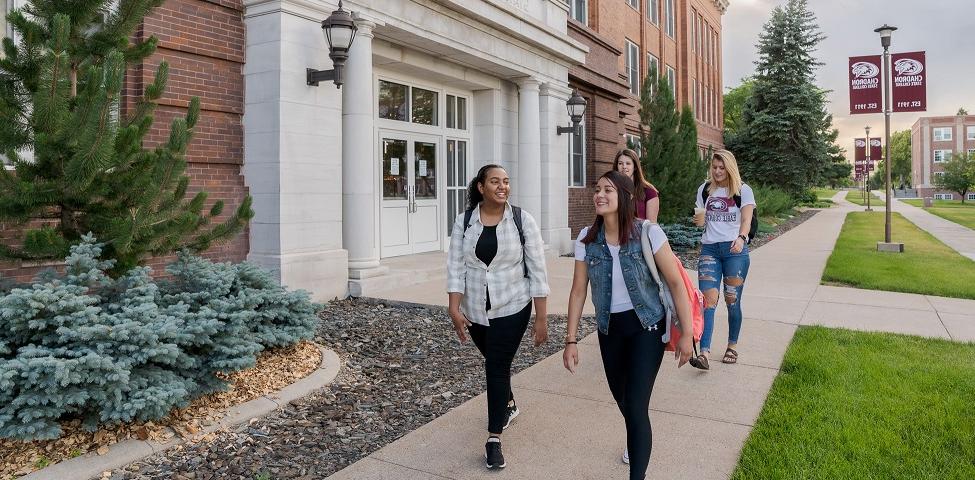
{"type": "Point", "coordinates": [339, 29]}
{"type": "Point", "coordinates": [576, 106]}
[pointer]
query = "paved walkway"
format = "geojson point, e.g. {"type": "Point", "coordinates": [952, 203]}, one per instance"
{"type": "Point", "coordinates": [570, 427]}
{"type": "Point", "coordinates": [956, 236]}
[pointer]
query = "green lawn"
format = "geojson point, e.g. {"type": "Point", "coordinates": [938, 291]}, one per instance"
{"type": "Point", "coordinates": [927, 266]}
{"type": "Point", "coordinates": [856, 196]}
{"type": "Point", "coordinates": [825, 193]}
{"type": "Point", "coordinates": [851, 405]}
{"type": "Point", "coordinates": [952, 210]}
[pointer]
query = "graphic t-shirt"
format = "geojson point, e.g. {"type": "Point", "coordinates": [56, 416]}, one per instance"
{"type": "Point", "coordinates": [723, 217]}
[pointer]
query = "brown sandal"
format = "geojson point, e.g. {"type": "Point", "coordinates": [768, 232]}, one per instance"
{"type": "Point", "coordinates": [700, 362]}
{"type": "Point", "coordinates": [730, 356]}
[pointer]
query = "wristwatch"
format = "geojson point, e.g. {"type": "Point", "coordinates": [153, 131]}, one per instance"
{"type": "Point", "coordinates": [743, 238]}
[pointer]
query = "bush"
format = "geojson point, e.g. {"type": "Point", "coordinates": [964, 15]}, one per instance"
{"type": "Point", "coordinates": [682, 236]}
{"type": "Point", "coordinates": [84, 345]}
{"type": "Point", "coordinates": [772, 201]}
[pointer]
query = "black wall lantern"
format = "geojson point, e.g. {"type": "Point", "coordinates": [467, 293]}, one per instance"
{"type": "Point", "coordinates": [576, 106]}
{"type": "Point", "coordinates": [339, 29]}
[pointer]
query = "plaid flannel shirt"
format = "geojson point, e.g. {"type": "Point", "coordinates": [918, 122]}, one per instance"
{"type": "Point", "coordinates": [505, 278]}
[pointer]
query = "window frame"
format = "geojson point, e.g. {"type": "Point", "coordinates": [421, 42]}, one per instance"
{"type": "Point", "coordinates": [944, 196]}
{"type": "Point", "coordinates": [572, 153]}
{"type": "Point", "coordinates": [670, 27]}
{"type": "Point", "coordinates": [631, 4]}
{"type": "Point", "coordinates": [970, 196]}
{"type": "Point", "coordinates": [944, 155]}
{"type": "Point", "coordinates": [936, 130]}
{"type": "Point", "coordinates": [627, 137]}
{"type": "Point", "coordinates": [633, 72]}
{"type": "Point", "coordinates": [672, 81]}
{"type": "Point", "coordinates": [573, 5]}
{"type": "Point", "coordinates": [653, 11]}
{"type": "Point", "coordinates": [969, 132]}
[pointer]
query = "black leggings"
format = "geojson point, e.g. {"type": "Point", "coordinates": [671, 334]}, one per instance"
{"type": "Point", "coordinates": [499, 343]}
{"type": "Point", "coordinates": [632, 356]}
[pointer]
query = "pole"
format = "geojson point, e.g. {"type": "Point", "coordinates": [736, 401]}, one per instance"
{"type": "Point", "coordinates": [866, 187]}
{"type": "Point", "coordinates": [887, 95]}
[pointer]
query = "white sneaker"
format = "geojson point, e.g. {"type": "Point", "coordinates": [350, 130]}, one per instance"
{"type": "Point", "coordinates": [626, 456]}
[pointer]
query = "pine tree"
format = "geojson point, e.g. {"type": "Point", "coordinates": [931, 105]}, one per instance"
{"type": "Point", "coordinates": [670, 157]}
{"type": "Point", "coordinates": [784, 139]}
{"type": "Point", "coordinates": [60, 91]}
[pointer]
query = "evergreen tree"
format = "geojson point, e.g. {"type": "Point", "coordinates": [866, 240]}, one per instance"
{"type": "Point", "coordinates": [60, 91]}
{"type": "Point", "coordinates": [785, 134]}
{"type": "Point", "coordinates": [670, 157]}
{"type": "Point", "coordinates": [734, 105]}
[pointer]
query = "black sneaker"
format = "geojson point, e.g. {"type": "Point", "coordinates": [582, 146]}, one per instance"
{"type": "Point", "coordinates": [492, 452]}
{"type": "Point", "coordinates": [512, 413]}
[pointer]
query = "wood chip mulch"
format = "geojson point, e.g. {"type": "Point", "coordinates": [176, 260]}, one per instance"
{"type": "Point", "coordinates": [274, 370]}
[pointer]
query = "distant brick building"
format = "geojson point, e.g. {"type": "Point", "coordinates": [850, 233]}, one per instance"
{"type": "Point", "coordinates": [203, 41]}
{"type": "Point", "coordinates": [681, 37]}
{"type": "Point", "coordinates": [933, 140]}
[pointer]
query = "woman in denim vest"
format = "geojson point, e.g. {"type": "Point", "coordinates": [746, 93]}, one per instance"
{"type": "Point", "coordinates": [492, 281]}
{"type": "Point", "coordinates": [629, 313]}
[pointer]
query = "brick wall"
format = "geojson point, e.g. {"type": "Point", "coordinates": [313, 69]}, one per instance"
{"type": "Point", "coordinates": [203, 41]}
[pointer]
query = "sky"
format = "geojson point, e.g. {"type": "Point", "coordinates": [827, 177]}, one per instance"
{"type": "Point", "coordinates": [945, 29]}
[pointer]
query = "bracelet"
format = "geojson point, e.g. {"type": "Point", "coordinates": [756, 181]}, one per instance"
{"type": "Point", "coordinates": [743, 238]}
{"type": "Point", "coordinates": [571, 343]}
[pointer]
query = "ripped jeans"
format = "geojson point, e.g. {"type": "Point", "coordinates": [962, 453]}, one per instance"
{"type": "Point", "coordinates": [717, 262]}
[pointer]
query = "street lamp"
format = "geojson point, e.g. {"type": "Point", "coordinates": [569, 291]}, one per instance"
{"type": "Point", "coordinates": [885, 32]}
{"type": "Point", "coordinates": [866, 184]}
{"type": "Point", "coordinates": [339, 30]}
{"type": "Point", "coordinates": [576, 106]}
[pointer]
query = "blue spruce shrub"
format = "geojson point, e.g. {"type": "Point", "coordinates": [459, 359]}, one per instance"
{"type": "Point", "coordinates": [682, 236]}
{"type": "Point", "coordinates": [84, 345]}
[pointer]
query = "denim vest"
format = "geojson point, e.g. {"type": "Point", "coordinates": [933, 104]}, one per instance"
{"type": "Point", "coordinates": [636, 275]}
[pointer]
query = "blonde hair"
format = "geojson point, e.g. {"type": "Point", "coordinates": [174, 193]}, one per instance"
{"type": "Point", "coordinates": [730, 166]}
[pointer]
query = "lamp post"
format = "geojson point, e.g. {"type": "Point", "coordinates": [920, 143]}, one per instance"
{"type": "Point", "coordinates": [339, 30]}
{"type": "Point", "coordinates": [866, 184]}
{"type": "Point", "coordinates": [576, 107]}
{"type": "Point", "coordinates": [885, 32]}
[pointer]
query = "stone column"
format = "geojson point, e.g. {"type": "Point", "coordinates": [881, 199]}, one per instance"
{"type": "Point", "coordinates": [529, 178]}
{"type": "Point", "coordinates": [554, 220]}
{"type": "Point", "coordinates": [359, 174]}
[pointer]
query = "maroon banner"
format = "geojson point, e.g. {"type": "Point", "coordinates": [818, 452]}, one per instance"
{"type": "Point", "coordinates": [876, 152]}
{"type": "Point", "coordinates": [865, 92]}
{"type": "Point", "coordinates": [909, 82]}
{"type": "Point", "coordinates": [859, 149]}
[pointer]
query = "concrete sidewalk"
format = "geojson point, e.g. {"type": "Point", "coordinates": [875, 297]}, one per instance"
{"type": "Point", "coordinates": [570, 426]}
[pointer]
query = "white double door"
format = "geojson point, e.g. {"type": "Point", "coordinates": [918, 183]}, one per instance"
{"type": "Point", "coordinates": [410, 211]}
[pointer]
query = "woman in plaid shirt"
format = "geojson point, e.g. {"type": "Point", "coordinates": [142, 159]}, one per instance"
{"type": "Point", "coordinates": [492, 280]}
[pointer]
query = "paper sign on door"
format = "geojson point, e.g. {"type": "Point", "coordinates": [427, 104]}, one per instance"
{"type": "Point", "coordinates": [423, 168]}
{"type": "Point", "coordinates": [394, 166]}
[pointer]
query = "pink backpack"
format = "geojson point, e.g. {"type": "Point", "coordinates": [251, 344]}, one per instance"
{"type": "Point", "coordinates": [694, 295]}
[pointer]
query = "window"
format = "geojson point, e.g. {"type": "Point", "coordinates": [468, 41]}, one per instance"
{"type": "Point", "coordinates": [942, 134]}
{"type": "Point", "coordinates": [970, 134]}
{"type": "Point", "coordinates": [970, 196]}
{"type": "Point", "coordinates": [653, 65]}
{"type": "Point", "coordinates": [577, 158]}
{"type": "Point", "coordinates": [4, 5]}
{"type": "Point", "coordinates": [971, 151]}
{"type": "Point", "coordinates": [939, 174]}
{"type": "Point", "coordinates": [941, 155]}
{"type": "Point", "coordinates": [694, 98]}
{"type": "Point", "coordinates": [653, 11]}
{"type": "Point", "coordinates": [456, 112]}
{"type": "Point", "coordinates": [633, 3]}
{"type": "Point", "coordinates": [944, 196]}
{"type": "Point", "coordinates": [699, 32]}
{"type": "Point", "coordinates": [670, 25]}
{"type": "Point", "coordinates": [412, 104]}
{"type": "Point", "coordinates": [672, 80]}
{"type": "Point", "coordinates": [633, 142]}
{"type": "Point", "coordinates": [633, 66]}
{"type": "Point", "coordinates": [580, 11]}
{"type": "Point", "coordinates": [695, 47]}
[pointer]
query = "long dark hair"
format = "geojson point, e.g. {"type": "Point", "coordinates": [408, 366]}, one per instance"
{"type": "Point", "coordinates": [474, 196]}
{"type": "Point", "coordinates": [625, 213]}
{"type": "Point", "coordinates": [639, 180]}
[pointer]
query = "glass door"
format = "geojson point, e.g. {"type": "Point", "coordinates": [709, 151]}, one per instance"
{"type": "Point", "coordinates": [409, 215]}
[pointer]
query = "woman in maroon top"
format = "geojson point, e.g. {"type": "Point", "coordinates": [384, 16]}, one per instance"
{"type": "Point", "coordinates": [645, 196]}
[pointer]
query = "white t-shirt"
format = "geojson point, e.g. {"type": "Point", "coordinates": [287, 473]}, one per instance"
{"type": "Point", "coordinates": [620, 301]}
{"type": "Point", "coordinates": [723, 217]}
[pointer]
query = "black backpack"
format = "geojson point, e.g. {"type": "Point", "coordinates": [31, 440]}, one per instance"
{"type": "Point", "coordinates": [752, 229]}
{"type": "Point", "coordinates": [516, 213]}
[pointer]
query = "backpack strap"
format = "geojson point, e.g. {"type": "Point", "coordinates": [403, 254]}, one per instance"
{"type": "Point", "coordinates": [467, 219]}
{"type": "Point", "coordinates": [705, 194]}
{"type": "Point", "coordinates": [516, 213]}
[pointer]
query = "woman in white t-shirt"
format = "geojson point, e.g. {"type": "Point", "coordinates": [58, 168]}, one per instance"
{"type": "Point", "coordinates": [725, 207]}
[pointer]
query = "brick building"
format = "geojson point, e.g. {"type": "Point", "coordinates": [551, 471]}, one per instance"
{"type": "Point", "coordinates": [933, 140]}
{"type": "Point", "coordinates": [681, 37]}
{"type": "Point", "coordinates": [203, 41]}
